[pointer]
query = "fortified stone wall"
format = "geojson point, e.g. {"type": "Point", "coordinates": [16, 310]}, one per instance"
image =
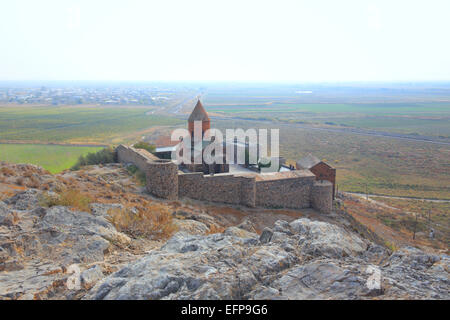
{"type": "Point", "coordinates": [161, 175]}
{"type": "Point", "coordinates": [226, 189]}
{"type": "Point", "coordinates": [162, 179]}
{"type": "Point", "coordinates": [294, 189]}
{"type": "Point", "coordinates": [322, 196]}
{"type": "Point", "coordinates": [139, 157]}
{"type": "Point", "coordinates": [285, 193]}
{"type": "Point", "coordinates": [248, 191]}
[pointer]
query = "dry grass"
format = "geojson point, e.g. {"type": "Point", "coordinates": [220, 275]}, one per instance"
{"type": "Point", "coordinates": [215, 229]}
{"type": "Point", "coordinates": [27, 174]}
{"type": "Point", "coordinates": [33, 182]}
{"type": "Point", "coordinates": [45, 186]}
{"type": "Point", "coordinates": [147, 220]}
{"type": "Point", "coordinates": [5, 195]}
{"type": "Point", "coordinates": [69, 198]}
{"type": "Point", "coordinates": [20, 181]}
{"type": "Point", "coordinates": [7, 171]}
{"type": "Point", "coordinates": [395, 226]}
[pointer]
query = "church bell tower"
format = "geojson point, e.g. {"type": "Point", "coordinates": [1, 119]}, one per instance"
{"type": "Point", "coordinates": [199, 114]}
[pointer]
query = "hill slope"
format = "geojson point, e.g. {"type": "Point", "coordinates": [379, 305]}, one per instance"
{"type": "Point", "coordinates": [95, 234]}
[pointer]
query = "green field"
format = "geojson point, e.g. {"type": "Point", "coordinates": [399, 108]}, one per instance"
{"type": "Point", "coordinates": [430, 119]}
{"type": "Point", "coordinates": [51, 157]}
{"type": "Point", "coordinates": [366, 108]}
{"type": "Point", "coordinates": [39, 125]}
{"type": "Point", "coordinates": [105, 125]}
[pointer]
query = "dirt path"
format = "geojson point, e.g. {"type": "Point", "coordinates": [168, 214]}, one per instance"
{"type": "Point", "coordinates": [52, 143]}
{"type": "Point", "coordinates": [363, 195]}
{"type": "Point", "coordinates": [364, 132]}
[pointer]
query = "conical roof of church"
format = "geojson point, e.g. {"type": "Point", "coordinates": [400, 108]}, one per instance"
{"type": "Point", "coordinates": [199, 113]}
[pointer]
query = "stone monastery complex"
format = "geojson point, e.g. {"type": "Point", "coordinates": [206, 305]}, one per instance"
{"type": "Point", "coordinates": [310, 184]}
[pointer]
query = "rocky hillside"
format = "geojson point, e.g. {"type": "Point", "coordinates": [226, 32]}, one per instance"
{"type": "Point", "coordinates": [303, 259]}
{"type": "Point", "coordinates": [105, 246]}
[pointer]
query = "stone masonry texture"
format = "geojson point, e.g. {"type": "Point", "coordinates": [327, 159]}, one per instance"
{"type": "Point", "coordinates": [296, 189]}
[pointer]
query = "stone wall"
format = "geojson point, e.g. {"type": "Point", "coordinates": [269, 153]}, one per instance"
{"type": "Point", "coordinates": [139, 157]}
{"type": "Point", "coordinates": [161, 175]}
{"type": "Point", "coordinates": [322, 196]}
{"type": "Point", "coordinates": [248, 191]}
{"type": "Point", "coordinates": [162, 179]}
{"type": "Point", "coordinates": [285, 193]}
{"type": "Point", "coordinates": [294, 189]}
{"type": "Point", "coordinates": [226, 188]}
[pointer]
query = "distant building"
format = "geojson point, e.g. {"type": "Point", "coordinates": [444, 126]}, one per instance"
{"type": "Point", "coordinates": [319, 168]}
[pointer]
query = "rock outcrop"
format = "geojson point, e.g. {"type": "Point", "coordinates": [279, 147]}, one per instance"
{"type": "Point", "coordinates": [303, 259]}
{"type": "Point", "coordinates": [38, 244]}
{"type": "Point", "coordinates": [63, 253]}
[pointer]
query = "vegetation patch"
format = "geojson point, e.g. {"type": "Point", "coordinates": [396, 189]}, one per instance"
{"type": "Point", "coordinates": [147, 220]}
{"type": "Point", "coordinates": [146, 146]}
{"type": "Point", "coordinates": [91, 124]}
{"type": "Point", "coordinates": [106, 155]}
{"type": "Point", "coordinates": [138, 175]}
{"type": "Point", "coordinates": [68, 198]}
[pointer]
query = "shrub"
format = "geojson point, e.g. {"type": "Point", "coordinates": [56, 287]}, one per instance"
{"type": "Point", "coordinates": [132, 169]}
{"type": "Point", "coordinates": [145, 145]}
{"type": "Point", "coordinates": [391, 246]}
{"type": "Point", "coordinates": [106, 155]}
{"type": "Point", "coordinates": [141, 177]}
{"type": "Point", "coordinates": [264, 163]}
{"type": "Point", "coordinates": [148, 221]}
{"type": "Point", "coordinates": [69, 198]}
{"type": "Point", "coordinates": [137, 174]}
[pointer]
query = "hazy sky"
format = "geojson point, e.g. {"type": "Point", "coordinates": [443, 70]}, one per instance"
{"type": "Point", "coordinates": [315, 40]}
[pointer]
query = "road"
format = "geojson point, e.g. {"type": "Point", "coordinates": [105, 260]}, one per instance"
{"type": "Point", "coordinates": [363, 132]}
{"type": "Point", "coordinates": [363, 195]}
{"type": "Point", "coordinates": [177, 108]}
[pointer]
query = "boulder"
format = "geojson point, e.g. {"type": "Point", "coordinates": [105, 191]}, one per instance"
{"type": "Point", "coordinates": [91, 276]}
{"type": "Point", "coordinates": [266, 235]}
{"type": "Point", "coordinates": [318, 239]}
{"type": "Point", "coordinates": [191, 226]}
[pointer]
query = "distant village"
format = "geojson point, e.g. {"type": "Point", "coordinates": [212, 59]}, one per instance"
{"type": "Point", "coordinates": [85, 95]}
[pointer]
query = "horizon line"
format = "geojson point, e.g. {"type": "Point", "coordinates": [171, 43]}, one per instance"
{"type": "Point", "coordinates": [243, 81]}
